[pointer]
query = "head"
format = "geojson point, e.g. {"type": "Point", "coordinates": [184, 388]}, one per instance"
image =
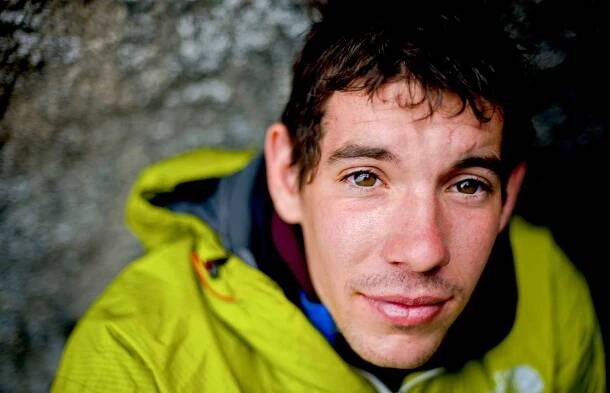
{"type": "Point", "coordinates": [400, 156]}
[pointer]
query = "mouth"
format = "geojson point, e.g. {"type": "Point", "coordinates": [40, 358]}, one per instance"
{"type": "Point", "coordinates": [405, 311]}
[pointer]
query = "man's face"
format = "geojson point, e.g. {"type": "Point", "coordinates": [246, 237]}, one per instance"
{"type": "Point", "coordinates": [399, 220]}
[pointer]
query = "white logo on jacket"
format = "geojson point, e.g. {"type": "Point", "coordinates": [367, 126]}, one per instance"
{"type": "Point", "coordinates": [519, 379]}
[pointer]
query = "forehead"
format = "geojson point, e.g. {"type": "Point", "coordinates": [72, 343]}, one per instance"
{"type": "Point", "coordinates": [389, 115]}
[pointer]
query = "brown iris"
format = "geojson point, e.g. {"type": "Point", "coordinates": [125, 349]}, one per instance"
{"type": "Point", "coordinates": [468, 186]}
{"type": "Point", "coordinates": [365, 179]}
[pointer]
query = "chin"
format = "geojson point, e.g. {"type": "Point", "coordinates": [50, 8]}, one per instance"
{"type": "Point", "coordinates": [399, 350]}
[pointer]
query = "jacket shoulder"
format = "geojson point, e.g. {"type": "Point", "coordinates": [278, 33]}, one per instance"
{"type": "Point", "coordinates": [552, 289]}
{"type": "Point", "coordinates": [142, 323]}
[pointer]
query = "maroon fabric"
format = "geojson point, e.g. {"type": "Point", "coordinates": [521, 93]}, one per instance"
{"type": "Point", "coordinates": [290, 250]}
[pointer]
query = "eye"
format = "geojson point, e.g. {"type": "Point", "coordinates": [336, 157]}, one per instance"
{"type": "Point", "coordinates": [471, 186]}
{"type": "Point", "coordinates": [364, 179]}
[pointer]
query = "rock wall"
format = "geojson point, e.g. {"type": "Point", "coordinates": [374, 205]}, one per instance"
{"type": "Point", "coordinates": [99, 90]}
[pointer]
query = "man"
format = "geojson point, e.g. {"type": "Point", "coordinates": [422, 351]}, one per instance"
{"type": "Point", "coordinates": [370, 249]}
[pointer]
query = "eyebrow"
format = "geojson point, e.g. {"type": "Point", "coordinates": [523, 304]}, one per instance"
{"type": "Point", "coordinates": [352, 151]}
{"type": "Point", "coordinates": [490, 162]}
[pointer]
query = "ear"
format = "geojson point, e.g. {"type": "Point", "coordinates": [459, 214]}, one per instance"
{"type": "Point", "coordinates": [282, 178]}
{"type": "Point", "coordinates": [512, 191]}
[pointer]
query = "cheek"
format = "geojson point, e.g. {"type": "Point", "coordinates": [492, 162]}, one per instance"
{"type": "Point", "coordinates": [472, 237]}
{"type": "Point", "coordinates": [345, 231]}
{"type": "Point", "coordinates": [339, 237]}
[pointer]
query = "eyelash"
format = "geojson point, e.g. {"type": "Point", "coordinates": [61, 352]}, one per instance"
{"type": "Point", "coordinates": [356, 173]}
{"type": "Point", "coordinates": [484, 188]}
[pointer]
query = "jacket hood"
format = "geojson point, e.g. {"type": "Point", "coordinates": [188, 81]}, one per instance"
{"type": "Point", "coordinates": [155, 225]}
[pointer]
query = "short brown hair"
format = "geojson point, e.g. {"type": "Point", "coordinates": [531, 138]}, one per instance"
{"type": "Point", "coordinates": [358, 46]}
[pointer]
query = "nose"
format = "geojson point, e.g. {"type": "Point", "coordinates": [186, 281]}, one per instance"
{"type": "Point", "coordinates": [416, 236]}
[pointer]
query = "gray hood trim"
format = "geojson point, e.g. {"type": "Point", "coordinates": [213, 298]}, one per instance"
{"type": "Point", "coordinates": [232, 202]}
{"type": "Point", "coordinates": [227, 209]}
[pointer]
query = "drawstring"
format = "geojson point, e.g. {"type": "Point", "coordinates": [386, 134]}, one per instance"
{"type": "Point", "coordinates": [212, 267]}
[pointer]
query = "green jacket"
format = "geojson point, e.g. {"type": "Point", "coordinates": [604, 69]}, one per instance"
{"type": "Point", "coordinates": [161, 327]}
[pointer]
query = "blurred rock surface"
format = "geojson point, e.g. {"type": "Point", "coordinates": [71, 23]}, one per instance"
{"type": "Point", "coordinates": [101, 89]}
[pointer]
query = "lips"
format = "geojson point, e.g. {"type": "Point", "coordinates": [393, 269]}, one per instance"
{"type": "Point", "coordinates": [405, 311]}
